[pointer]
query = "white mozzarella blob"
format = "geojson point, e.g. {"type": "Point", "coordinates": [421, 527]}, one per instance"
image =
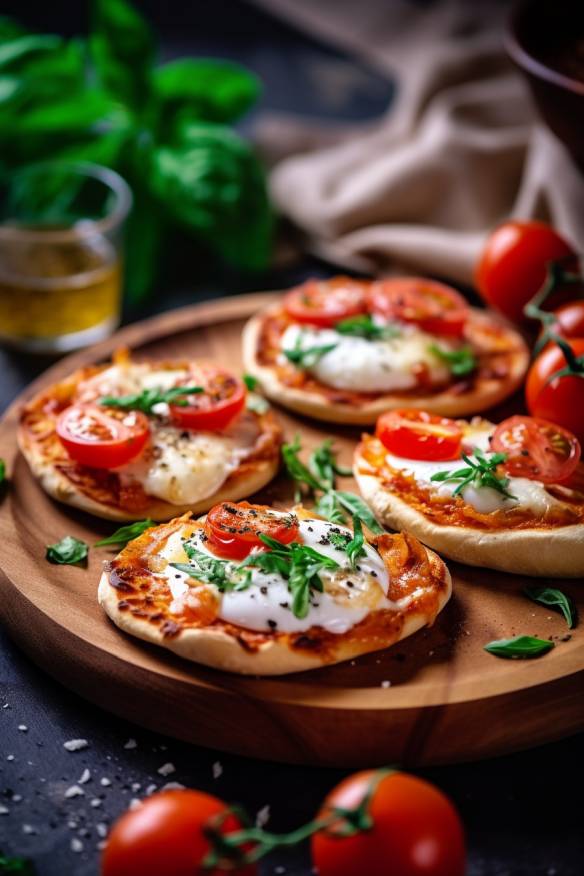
{"type": "Point", "coordinates": [529, 494]}
{"type": "Point", "coordinates": [360, 365]}
{"type": "Point", "coordinates": [266, 605]}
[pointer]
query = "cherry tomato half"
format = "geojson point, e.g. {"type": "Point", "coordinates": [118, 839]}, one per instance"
{"type": "Point", "coordinates": [326, 302]}
{"type": "Point", "coordinates": [561, 400]}
{"type": "Point", "coordinates": [434, 307]}
{"type": "Point", "coordinates": [417, 435]}
{"type": "Point", "coordinates": [233, 528]}
{"type": "Point", "coordinates": [416, 831]}
{"type": "Point", "coordinates": [213, 409]}
{"type": "Point", "coordinates": [100, 437]}
{"type": "Point", "coordinates": [536, 449]}
{"type": "Point", "coordinates": [164, 837]}
{"type": "Point", "coordinates": [512, 267]}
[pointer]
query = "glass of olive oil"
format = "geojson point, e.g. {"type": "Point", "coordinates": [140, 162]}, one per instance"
{"type": "Point", "coordinates": [61, 228]}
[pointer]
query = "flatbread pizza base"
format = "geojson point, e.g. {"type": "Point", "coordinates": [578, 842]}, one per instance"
{"type": "Point", "coordinates": [221, 650]}
{"type": "Point", "coordinates": [555, 551]}
{"type": "Point", "coordinates": [312, 404]}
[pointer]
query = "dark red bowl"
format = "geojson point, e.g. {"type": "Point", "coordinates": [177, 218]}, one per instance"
{"type": "Point", "coordinates": [545, 38]}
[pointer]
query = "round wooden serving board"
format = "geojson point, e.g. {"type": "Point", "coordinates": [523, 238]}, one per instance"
{"type": "Point", "coordinates": [448, 700]}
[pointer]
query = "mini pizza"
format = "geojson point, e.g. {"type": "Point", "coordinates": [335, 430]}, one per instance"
{"type": "Point", "coordinates": [508, 497]}
{"type": "Point", "coordinates": [345, 350]}
{"type": "Point", "coordinates": [132, 440]}
{"type": "Point", "coordinates": [257, 591]}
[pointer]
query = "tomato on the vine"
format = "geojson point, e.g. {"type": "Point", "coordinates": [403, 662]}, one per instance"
{"type": "Point", "coordinates": [513, 265]}
{"type": "Point", "coordinates": [569, 319]}
{"type": "Point", "coordinates": [559, 400]}
{"type": "Point", "coordinates": [536, 449]}
{"type": "Point", "coordinates": [325, 302]}
{"type": "Point", "coordinates": [233, 528]}
{"type": "Point", "coordinates": [416, 434]}
{"type": "Point", "coordinates": [416, 830]}
{"type": "Point", "coordinates": [165, 837]}
{"type": "Point", "coordinates": [100, 437]}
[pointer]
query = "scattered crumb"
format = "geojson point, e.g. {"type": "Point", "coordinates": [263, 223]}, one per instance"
{"type": "Point", "coordinates": [105, 783]}
{"type": "Point", "coordinates": [263, 816]}
{"type": "Point", "coordinates": [77, 845]}
{"type": "Point", "coordinates": [130, 744]}
{"type": "Point", "coordinates": [134, 804]}
{"type": "Point", "coordinates": [23, 728]}
{"type": "Point", "coordinates": [72, 824]}
{"type": "Point", "coordinates": [74, 791]}
{"type": "Point", "coordinates": [167, 769]}
{"type": "Point", "coordinates": [386, 684]}
{"type": "Point", "coordinates": [217, 770]}
{"type": "Point", "coordinates": [75, 744]}
{"type": "Point", "coordinates": [29, 829]}
{"type": "Point", "coordinates": [4, 810]}
{"type": "Point", "coordinates": [16, 798]}
{"type": "Point", "coordinates": [173, 786]}
{"type": "Point", "coordinates": [85, 777]}
{"type": "Point", "coordinates": [136, 787]}
{"type": "Point", "coordinates": [150, 790]}
{"type": "Point", "coordinates": [96, 802]}
{"type": "Point", "coordinates": [101, 829]}
{"type": "Point", "coordinates": [10, 757]}
{"type": "Point", "coordinates": [101, 845]}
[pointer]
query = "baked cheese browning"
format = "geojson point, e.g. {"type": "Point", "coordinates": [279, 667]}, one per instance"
{"type": "Point", "coordinates": [142, 578]}
{"type": "Point", "coordinates": [565, 508]}
{"type": "Point", "coordinates": [496, 349]}
{"type": "Point", "coordinates": [241, 450]}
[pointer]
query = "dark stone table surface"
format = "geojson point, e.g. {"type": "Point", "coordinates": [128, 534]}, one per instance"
{"type": "Point", "coordinates": [523, 813]}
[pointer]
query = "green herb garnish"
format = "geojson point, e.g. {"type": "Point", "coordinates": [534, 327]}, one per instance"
{"type": "Point", "coordinates": [2, 471]}
{"type": "Point", "coordinates": [460, 362]}
{"type": "Point", "coordinates": [480, 472]}
{"type": "Point", "coordinates": [307, 357]}
{"type": "Point", "coordinates": [126, 533]}
{"type": "Point", "coordinates": [250, 381]}
{"type": "Point", "coordinates": [224, 574]}
{"type": "Point", "coordinates": [364, 326]}
{"type": "Point", "coordinates": [355, 547]}
{"type": "Point", "coordinates": [16, 866]}
{"type": "Point", "coordinates": [144, 401]}
{"type": "Point", "coordinates": [335, 505]}
{"type": "Point", "coordinates": [520, 647]}
{"type": "Point", "coordinates": [67, 552]}
{"type": "Point", "coordinates": [556, 600]}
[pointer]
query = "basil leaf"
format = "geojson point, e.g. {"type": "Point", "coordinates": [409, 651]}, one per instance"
{"type": "Point", "coordinates": [203, 90]}
{"type": "Point", "coordinates": [16, 866]}
{"type": "Point", "coordinates": [355, 546]}
{"type": "Point", "coordinates": [144, 401]}
{"type": "Point", "coordinates": [296, 468]}
{"type": "Point", "coordinates": [357, 507]}
{"type": "Point", "coordinates": [213, 184]}
{"type": "Point", "coordinates": [126, 533]}
{"type": "Point", "coordinates": [328, 506]}
{"type": "Point", "coordinates": [308, 356]}
{"type": "Point", "coordinates": [364, 326]}
{"type": "Point", "coordinates": [14, 51]}
{"type": "Point", "coordinates": [323, 463]}
{"type": "Point", "coordinates": [520, 647]}
{"type": "Point", "coordinates": [556, 600]}
{"type": "Point", "coordinates": [250, 381]}
{"type": "Point", "coordinates": [67, 552]}
{"type": "Point", "coordinates": [122, 48]}
{"type": "Point", "coordinates": [460, 362]}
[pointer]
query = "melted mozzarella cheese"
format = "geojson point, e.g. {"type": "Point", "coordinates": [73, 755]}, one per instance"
{"type": "Point", "coordinates": [529, 494]}
{"type": "Point", "coordinates": [349, 594]}
{"type": "Point", "coordinates": [178, 466]}
{"type": "Point", "coordinates": [362, 365]}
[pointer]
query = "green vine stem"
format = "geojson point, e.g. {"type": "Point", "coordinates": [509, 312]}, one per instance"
{"type": "Point", "coordinates": [557, 276]}
{"type": "Point", "coordinates": [245, 846]}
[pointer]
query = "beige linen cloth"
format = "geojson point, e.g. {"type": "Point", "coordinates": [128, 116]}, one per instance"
{"type": "Point", "coordinates": [459, 151]}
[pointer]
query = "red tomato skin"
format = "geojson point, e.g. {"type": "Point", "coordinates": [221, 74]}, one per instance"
{"type": "Point", "coordinates": [214, 419]}
{"type": "Point", "coordinates": [397, 296]}
{"type": "Point", "coordinates": [532, 447]}
{"type": "Point", "coordinates": [409, 433]}
{"type": "Point", "coordinates": [417, 831]}
{"type": "Point", "coordinates": [340, 297]}
{"type": "Point", "coordinates": [163, 837]}
{"type": "Point", "coordinates": [107, 454]}
{"type": "Point", "coordinates": [512, 267]}
{"type": "Point", "coordinates": [561, 401]}
{"type": "Point", "coordinates": [570, 320]}
{"type": "Point", "coordinates": [236, 546]}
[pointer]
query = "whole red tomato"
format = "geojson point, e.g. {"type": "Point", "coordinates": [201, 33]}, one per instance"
{"type": "Point", "coordinates": [416, 831]}
{"type": "Point", "coordinates": [164, 837]}
{"type": "Point", "coordinates": [561, 400]}
{"type": "Point", "coordinates": [570, 319]}
{"type": "Point", "coordinates": [512, 267]}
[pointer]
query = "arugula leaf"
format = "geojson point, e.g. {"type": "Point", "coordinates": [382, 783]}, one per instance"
{"type": "Point", "coordinates": [308, 356]}
{"type": "Point", "coordinates": [224, 574]}
{"type": "Point", "coordinates": [144, 401]}
{"type": "Point", "coordinates": [323, 463]}
{"type": "Point", "coordinates": [126, 533]}
{"type": "Point", "coordinates": [122, 48]}
{"type": "Point", "coordinates": [296, 468]}
{"type": "Point", "coordinates": [202, 90]}
{"type": "Point", "coordinates": [480, 472]}
{"type": "Point", "coordinates": [460, 362]}
{"type": "Point", "coordinates": [519, 648]}
{"type": "Point", "coordinates": [356, 506]}
{"type": "Point", "coordinates": [556, 600]}
{"type": "Point", "coordinates": [250, 381]}
{"type": "Point", "coordinates": [67, 552]}
{"type": "Point", "coordinates": [355, 547]}
{"type": "Point", "coordinates": [16, 866]}
{"type": "Point", "coordinates": [364, 326]}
